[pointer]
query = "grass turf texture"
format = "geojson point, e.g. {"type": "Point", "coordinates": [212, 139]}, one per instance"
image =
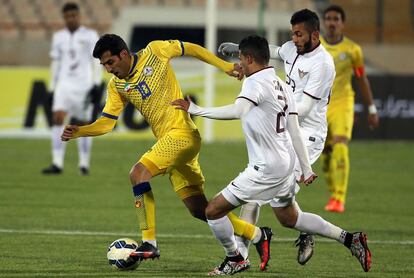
{"type": "Point", "coordinates": [100, 208]}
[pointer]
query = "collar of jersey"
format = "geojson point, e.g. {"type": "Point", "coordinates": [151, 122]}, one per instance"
{"type": "Point", "coordinates": [132, 71]}
{"type": "Point", "coordinates": [268, 67]}
{"type": "Point", "coordinates": [334, 44]}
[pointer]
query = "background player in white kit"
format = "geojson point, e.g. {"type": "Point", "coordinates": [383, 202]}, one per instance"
{"type": "Point", "coordinates": [310, 71]}
{"type": "Point", "coordinates": [74, 73]}
{"type": "Point", "coordinates": [268, 114]}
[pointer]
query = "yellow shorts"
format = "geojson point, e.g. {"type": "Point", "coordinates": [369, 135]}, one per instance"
{"type": "Point", "coordinates": [176, 153]}
{"type": "Point", "coordinates": [340, 118]}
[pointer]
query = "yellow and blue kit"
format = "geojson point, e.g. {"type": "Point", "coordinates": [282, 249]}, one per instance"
{"type": "Point", "coordinates": [348, 60]}
{"type": "Point", "coordinates": [151, 86]}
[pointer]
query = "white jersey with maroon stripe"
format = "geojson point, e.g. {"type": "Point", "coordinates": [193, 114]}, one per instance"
{"type": "Point", "coordinates": [269, 146]}
{"type": "Point", "coordinates": [312, 74]}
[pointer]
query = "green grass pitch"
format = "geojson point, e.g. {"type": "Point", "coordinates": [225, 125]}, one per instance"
{"type": "Point", "coordinates": [61, 226]}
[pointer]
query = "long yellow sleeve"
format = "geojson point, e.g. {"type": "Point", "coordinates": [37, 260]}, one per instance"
{"type": "Point", "coordinates": [199, 52]}
{"type": "Point", "coordinates": [100, 126]}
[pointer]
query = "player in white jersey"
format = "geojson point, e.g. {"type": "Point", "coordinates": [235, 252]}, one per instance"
{"type": "Point", "coordinates": [270, 124]}
{"type": "Point", "coordinates": [74, 74]}
{"type": "Point", "coordinates": [310, 71]}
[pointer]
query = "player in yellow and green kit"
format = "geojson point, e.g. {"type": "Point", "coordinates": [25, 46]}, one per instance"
{"type": "Point", "coordinates": [147, 80]}
{"type": "Point", "coordinates": [348, 59]}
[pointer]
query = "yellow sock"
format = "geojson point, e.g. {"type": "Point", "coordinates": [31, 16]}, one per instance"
{"type": "Point", "coordinates": [340, 170]}
{"type": "Point", "coordinates": [145, 209]}
{"type": "Point", "coordinates": [326, 161]}
{"type": "Point", "coordinates": [241, 227]}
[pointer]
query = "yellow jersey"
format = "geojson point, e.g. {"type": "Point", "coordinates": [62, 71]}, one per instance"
{"type": "Point", "coordinates": [348, 58]}
{"type": "Point", "coordinates": [151, 86]}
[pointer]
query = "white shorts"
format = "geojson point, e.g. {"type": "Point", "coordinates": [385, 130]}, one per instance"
{"type": "Point", "coordinates": [252, 187]}
{"type": "Point", "coordinates": [73, 100]}
{"type": "Point", "coordinates": [315, 147]}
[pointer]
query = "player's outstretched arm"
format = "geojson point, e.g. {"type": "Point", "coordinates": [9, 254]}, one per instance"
{"type": "Point", "coordinates": [199, 52]}
{"type": "Point", "coordinates": [293, 127]}
{"type": "Point", "coordinates": [231, 49]}
{"type": "Point", "coordinates": [229, 112]}
{"type": "Point", "coordinates": [99, 127]}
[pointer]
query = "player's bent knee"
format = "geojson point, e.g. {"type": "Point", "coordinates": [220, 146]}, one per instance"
{"type": "Point", "coordinates": [139, 174]}
{"type": "Point", "coordinates": [211, 212]}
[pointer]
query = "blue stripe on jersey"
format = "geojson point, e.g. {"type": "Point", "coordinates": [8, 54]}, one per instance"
{"type": "Point", "coordinates": [141, 188]}
{"type": "Point", "coordinates": [182, 48]}
{"type": "Point", "coordinates": [135, 57]}
{"type": "Point", "coordinates": [109, 116]}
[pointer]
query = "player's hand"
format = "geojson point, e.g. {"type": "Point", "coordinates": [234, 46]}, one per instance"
{"type": "Point", "coordinates": [183, 104]}
{"type": "Point", "coordinates": [373, 121]}
{"type": "Point", "coordinates": [236, 72]}
{"type": "Point", "coordinates": [228, 49]}
{"type": "Point", "coordinates": [69, 132]}
{"type": "Point", "coordinates": [309, 179]}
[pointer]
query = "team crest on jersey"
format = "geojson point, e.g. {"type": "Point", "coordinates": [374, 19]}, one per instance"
{"type": "Point", "coordinates": [148, 71]}
{"type": "Point", "coordinates": [302, 73]}
{"type": "Point", "coordinates": [342, 56]}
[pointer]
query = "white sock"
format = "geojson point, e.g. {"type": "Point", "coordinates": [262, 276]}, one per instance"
{"type": "Point", "coordinates": [58, 146]}
{"type": "Point", "coordinates": [250, 213]}
{"type": "Point", "coordinates": [299, 210]}
{"type": "Point", "coordinates": [84, 151]}
{"type": "Point", "coordinates": [314, 224]}
{"type": "Point", "coordinates": [224, 232]}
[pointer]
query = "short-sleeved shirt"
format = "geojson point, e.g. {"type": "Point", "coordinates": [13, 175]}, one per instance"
{"type": "Point", "coordinates": [268, 144]}
{"type": "Point", "coordinates": [312, 74]}
{"type": "Point", "coordinates": [151, 87]}
{"type": "Point", "coordinates": [74, 51]}
{"type": "Point", "coordinates": [348, 59]}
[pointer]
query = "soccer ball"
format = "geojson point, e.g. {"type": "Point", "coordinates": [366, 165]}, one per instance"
{"type": "Point", "coordinates": [118, 254]}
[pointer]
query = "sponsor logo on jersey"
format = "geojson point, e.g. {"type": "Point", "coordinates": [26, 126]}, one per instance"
{"type": "Point", "coordinates": [302, 74]}
{"type": "Point", "coordinates": [342, 56]}
{"type": "Point", "coordinates": [148, 71]}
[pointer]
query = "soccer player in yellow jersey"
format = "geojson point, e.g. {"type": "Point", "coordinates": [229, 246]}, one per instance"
{"type": "Point", "coordinates": [348, 59]}
{"type": "Point", "coordinates": [147, 80]}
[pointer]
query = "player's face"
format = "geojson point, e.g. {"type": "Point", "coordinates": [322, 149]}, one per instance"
{"type": "Point", "coordinates": [303, 38]}
{"type": "Point", "coordinates": [117, 65]}
{"type": "Point", "coordinates": [333, 23]}
{"type": "Point", "coordinates": [72, 19]}
{"type": "Point", "coordinates": [245, 61]}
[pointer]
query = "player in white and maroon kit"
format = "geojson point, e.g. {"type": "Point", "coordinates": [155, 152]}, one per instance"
{"type": "Point", "coordinates": [310, 71]}
{"type": "Point", "coordinates": [274, 143]}
{"type": "Point", "coordinates": [74, 73]}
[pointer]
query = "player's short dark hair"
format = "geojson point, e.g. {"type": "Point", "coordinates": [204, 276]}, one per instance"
{"type": "Point", "coordinates": [308, 17]}
{"type": "Point", "coordinates": [335, 8]}
{"type": "Point", "coordinates": [109, 42]}
{"type": "Point", "coordinates": [70, 6]}
{"type": "Point", "coordinates": [257, 47]}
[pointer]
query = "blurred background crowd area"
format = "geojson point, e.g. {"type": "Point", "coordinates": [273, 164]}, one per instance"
{"type": "Point", "coordinates": [385, 28]}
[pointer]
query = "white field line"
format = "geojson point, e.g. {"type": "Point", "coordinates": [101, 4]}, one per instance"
{"type": "Point", "coordinates": [125, 234]}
